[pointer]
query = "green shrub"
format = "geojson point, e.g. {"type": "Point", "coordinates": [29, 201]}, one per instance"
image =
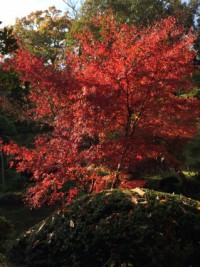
{"type": "Point", "coordinates": [191, 187]}
{"type": "Point", "coordinates": [135, 227]}
{"type": "Point", "coordinates": [16, 183]}
{"type": "Point", "coordinates": [186, 185]}
{"type": "Point", "coordinates": [169, 182]}
{"type": "Point", "coordinates": [11, 198]}
{"type": "Point", "coordinates": [6, 231]}
{"type": "Point", "coordinates": [7, 128]}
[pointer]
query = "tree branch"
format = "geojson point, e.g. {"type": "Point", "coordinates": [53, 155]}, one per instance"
{"type": "Point", "coordinates": [73, 7]}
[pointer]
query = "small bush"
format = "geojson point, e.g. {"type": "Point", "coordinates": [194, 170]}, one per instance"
{"type": "Point", "coordinates": [188, 186]}
{"type": "Point", "coordinates": [171, 183]}
{"type": "Point", "coordinates": [136, 227]}
{"type": "Point", "coordinates": [11, 198]}
{"type": "Point", "coordinates": [6, 231]}
{"type": "Point", "coordinates": [16, 183]}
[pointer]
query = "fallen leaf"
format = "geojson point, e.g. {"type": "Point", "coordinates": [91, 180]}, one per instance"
{"type": "Point", "coordinates": [71, 224]}
{"type": "Point", "coordinates": [163, 200]}
{"type": "Point", "coordinates": [144, 202]}
{"type": "Point", "coordinates": [139, 191]}
{"type": "Point", "coordinates": [134, 200]}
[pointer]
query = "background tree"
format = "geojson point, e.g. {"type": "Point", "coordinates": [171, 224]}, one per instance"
{"type": "Point", "coordinates": [143, 12]}
{"type": "Point", "coordinates": [43, 32]}
{"type": "Point", "coordinates": [139, 13]}
{"type": "Point", "coordinates": [7, 41]}
{"type": "Point", "coordinates": [191, 154]}
{"type": "Point", "coordinates": [7, 44]}
{"type": "Point", "coordinates": [15, 123]}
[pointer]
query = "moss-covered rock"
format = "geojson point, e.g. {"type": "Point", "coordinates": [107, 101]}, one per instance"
{"type": "Point", "coordinates": [134, 227]}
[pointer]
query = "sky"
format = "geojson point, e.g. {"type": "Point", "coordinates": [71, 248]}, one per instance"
{"type": "Point", "coordinates": [11, 9]}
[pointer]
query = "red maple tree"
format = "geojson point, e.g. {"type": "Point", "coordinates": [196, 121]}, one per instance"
{"type": "Point", "coordinates": [114, 104]}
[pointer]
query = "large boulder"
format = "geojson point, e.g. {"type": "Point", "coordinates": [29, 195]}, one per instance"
{"type": "Point", "coordinates": [137, 227]}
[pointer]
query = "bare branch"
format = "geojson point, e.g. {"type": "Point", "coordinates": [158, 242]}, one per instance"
{"type": "Point", "coordinates": [73, 6]}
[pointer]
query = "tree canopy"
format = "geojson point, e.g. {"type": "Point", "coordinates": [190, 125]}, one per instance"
{"type": "Point", "coordinates": [144, 12]}
{"type": "Point", "coordinates": [114, 104]}
{"type": "Point", "coordinates": [43, 32]}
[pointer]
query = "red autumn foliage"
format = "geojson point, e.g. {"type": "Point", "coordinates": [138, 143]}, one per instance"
{"type": "Point", "coordinates": [111, 106]}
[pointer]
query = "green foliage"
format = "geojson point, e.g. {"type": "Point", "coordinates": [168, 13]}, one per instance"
{"type": "Point", "coordinates": [21, 217]}
{"type": "Point", "coordinates": [6, 231]}
{"type": "Point", "coordinates": [143, 12]}
{"type": "Point", "coordinates": [7, 128]}
{"type": "Point", "coordinates": [43, 32]}
{"type": "Point", "coordinates": [191, 154]}
{"type": "Point", "coordinates": [169, 182]}
{"type": "Point", "coordinates": [191, 187]}
{"type": "Point", "coordinates": [7, 41]}
{"type": "Point", "coordinates": [16, 182]}
{"type": "Point", "coordinates": [186, 185]}
{"type": "Point", "coordinates": [11, 198]}
{"type": "Point", "coordinates": [132, 227]}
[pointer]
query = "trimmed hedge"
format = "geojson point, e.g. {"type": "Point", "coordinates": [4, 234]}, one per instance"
{"type": "Point", "coordinates": [137, 227]}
